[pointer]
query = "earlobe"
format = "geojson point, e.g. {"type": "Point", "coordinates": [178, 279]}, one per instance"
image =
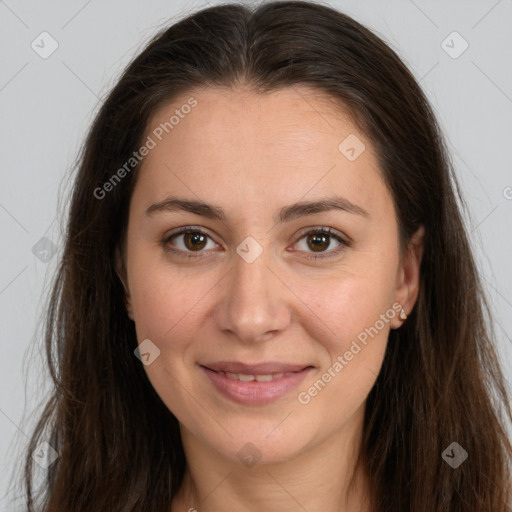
{"type": "Point", "coordinates": [409, 280]}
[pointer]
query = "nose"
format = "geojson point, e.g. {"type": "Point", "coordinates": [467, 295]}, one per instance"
{"type": "Point", "coordinates": [255, 303]}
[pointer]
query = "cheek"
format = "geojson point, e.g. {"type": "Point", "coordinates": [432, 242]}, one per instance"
{"type": "Point", "coordinates": [346, 306]}
{"type": "Point", "coordinates": [352, 322]}
{"type": "Point", "coordinates": [165, 305]}
{"type": "Point", "coordinates": [168, 310]}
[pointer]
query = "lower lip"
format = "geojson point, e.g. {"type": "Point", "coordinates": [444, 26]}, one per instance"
{"type": "Point", "coordinates": [254, 392]}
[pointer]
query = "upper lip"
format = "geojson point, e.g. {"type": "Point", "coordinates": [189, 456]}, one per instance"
{"type": "Point", "coordinates": [255, 369]}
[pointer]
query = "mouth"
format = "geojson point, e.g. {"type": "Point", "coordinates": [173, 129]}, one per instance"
{"type": "Point", "coordinates": [256, 384]}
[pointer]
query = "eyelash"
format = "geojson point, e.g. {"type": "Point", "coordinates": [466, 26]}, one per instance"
{"type": "Point", "coordinates": [191, 254]}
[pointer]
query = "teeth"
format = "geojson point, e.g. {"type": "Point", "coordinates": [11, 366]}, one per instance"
{"type": "Point", "coordinates": [260, 378]}
{"type": "Point", "coordinates": [264, 378]}
{"type": "Point", "coordinates": [245, 378]}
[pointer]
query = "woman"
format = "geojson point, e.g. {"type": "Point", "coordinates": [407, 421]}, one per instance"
{"type": "Point", "coordinates": [203, 357]}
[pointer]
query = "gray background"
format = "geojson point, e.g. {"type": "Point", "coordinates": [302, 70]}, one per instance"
{"type": "Point", "coordinates": [46, 106]}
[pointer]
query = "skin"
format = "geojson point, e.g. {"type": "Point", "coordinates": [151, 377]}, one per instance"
{"type": "Point", "coordinates": [253, 154]}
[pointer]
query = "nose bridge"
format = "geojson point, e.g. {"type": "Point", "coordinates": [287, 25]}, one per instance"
{"type": "Point", "coordinates": [253, 305]}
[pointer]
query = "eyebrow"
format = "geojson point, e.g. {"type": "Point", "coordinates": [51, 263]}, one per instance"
{"type": "Point", "coordinates": [286, 214]}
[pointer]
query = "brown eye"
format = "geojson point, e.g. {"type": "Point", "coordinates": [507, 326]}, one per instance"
{"type": "Point", "coordinates": [319, 241]}
{"type": "Point", "coordinates": [188, 243]}
{"type": "Point", "coordinates": [194, 240]}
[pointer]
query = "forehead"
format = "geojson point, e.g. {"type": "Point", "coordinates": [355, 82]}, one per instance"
{"type": "Point", "coordinates": [297, 113]}
{"type": "Point", "coordinates": [277, 145]}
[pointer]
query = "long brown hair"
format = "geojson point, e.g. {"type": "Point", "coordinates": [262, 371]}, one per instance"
{"type": "Point", "coordinates": [119, 446]}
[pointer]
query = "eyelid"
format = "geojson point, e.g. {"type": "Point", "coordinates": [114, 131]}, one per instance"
{"type": "Point", "coordinates": [342, 239]}
{"type": "Point", "coordinates": [183, 230]}
{"type": "Point", "coordinates": [325, 229]}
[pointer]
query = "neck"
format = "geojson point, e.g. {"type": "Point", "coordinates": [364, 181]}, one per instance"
{"type": "Point", "coordinates": [322, 477]}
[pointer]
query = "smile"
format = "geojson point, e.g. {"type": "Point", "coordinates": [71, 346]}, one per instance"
{"type": "Point", "coordinates": [254, 389]}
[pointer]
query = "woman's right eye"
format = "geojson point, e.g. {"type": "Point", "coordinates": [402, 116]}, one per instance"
{"type": "Point", "coordinates": [190, 241]}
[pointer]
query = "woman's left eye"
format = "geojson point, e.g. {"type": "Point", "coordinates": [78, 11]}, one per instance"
{"type": "Point", "coordinates": [320, 239]}
{"type": "Point", "coordinates": [194, 240]}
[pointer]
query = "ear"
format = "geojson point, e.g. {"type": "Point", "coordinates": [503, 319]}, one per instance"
{"type": "Point", "coordinates": [121, 273]}
{"type": "Point", "coordinates": [408, 276]}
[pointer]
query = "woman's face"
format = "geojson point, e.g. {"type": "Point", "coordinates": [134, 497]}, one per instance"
{"type": "Point", "coordinates": [243, 287]}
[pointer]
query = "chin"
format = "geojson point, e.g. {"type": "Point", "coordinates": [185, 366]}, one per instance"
{"type": "Point", "coordinates": [260, 448]}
